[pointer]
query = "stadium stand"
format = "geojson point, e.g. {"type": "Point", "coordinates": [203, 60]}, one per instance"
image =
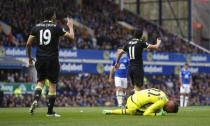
{"type": "Point", "coordinates": [108, 34]}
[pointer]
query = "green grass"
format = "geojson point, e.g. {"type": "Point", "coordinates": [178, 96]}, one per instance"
{"type": "Point", "coordinates": [92, 116]}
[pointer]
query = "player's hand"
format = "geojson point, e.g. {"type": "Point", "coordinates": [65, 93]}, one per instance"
{"type": "Point", "coordinates": [30, 62]}
{"type": "Point", "coordinates": [161, 113]}
{"type": "Point", "coordinates": [158, 40]}
{"type": "Point", "coordinates": [69, 22]}
{"type": "Point", "coordinates": [116, 66]}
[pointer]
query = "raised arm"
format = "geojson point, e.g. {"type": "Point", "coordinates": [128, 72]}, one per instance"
{"type": "Point", "coordinates": [70, 34]}
{"type": "Point", "coordinates": [155, 46]}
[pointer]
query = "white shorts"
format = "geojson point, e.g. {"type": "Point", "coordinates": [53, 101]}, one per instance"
{"type": "Point", "coordinates": [121, 82]}
{"type": "Point", "coordinates": [185, 89]}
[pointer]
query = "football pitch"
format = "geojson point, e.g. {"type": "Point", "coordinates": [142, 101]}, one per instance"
{"type": "Point", "coordinates": [92, 116]}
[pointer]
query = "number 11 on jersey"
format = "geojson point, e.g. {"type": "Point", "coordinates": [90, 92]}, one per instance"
{"type": "Point", "coordinates": [132, 52]}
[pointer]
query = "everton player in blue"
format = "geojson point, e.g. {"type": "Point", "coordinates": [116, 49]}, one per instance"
{"type": "Point", "coordinates": [120, 78]}
{"type": "Point", "coordinates": [185, 79]}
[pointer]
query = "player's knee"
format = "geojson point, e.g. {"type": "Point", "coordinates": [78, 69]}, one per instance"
{"type": "Point", "coordinates": [52, 92]}
{"type": "Point", "coordinates": [40, 85]}
{"type": "Point", "coordinates": [52, 89]}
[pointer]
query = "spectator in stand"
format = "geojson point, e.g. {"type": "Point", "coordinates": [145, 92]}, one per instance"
{"type": "Point", "coordinates": [108, 33]}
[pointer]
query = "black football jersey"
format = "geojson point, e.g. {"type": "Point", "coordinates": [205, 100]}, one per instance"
{"type": "Point", "coordinates": [134, 49]}
{"type": "Point", "coordinates": [47, 36]}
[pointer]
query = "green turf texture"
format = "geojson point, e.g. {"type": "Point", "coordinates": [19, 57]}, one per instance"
{"type": "Point", "coordinates": [92, 116]}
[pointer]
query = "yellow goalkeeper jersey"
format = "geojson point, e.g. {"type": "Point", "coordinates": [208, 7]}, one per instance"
{"type": "Point", "coordinates": [154, 98]}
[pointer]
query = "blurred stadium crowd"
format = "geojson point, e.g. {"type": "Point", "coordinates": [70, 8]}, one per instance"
{"type": "Point", "coordinates": [96, 15]}
{"type": "Point", "coordinates": [94, 90]}
{"type": "Point", "coordinates": [89, 89]}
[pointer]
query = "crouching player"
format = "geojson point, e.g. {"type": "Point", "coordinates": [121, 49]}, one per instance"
{"type": "Point", "coordinates": [148, 102]}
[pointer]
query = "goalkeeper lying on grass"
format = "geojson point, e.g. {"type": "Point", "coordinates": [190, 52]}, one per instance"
{"type": "Point", "coordinates": [149, 102]}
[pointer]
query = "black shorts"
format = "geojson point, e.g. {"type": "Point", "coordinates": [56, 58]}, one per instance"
{"type": "Point", "coordinates": [47, 68]}
{"type": "Point", "coordinates": [136, 74]}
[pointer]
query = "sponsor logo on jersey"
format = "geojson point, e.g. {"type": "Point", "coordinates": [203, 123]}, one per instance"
{"type": "Point", "coordinates": [122, 66]}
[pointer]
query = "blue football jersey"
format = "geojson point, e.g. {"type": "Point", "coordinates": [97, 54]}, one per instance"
{"type": "Point", "coordinates": [185, 75]}
{"type": "Point", "coordinates": [122, 72]}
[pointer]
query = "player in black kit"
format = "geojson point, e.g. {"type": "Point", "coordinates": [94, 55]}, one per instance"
{"type": "Point", "coordinates": [46, 34]}
{"type": "Point", "coordinates": [134, 49]}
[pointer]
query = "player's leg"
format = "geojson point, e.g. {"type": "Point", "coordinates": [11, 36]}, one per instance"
{"type": "Point", "coordinates": [37, 95]}
{"type": "Point", "coordinates": [182, 94]}
{"type": "Point", "coordinates": [41, 75]}
{"type": "Point", "coordinates": [124, 82]}
{"type": "Point", "coordinates": [119, 91]}
{"type": "Point", "coordinates": [187, 92]}
{"type": "Point", "coordinates": [51, 99]}
{"type": "Point", "coordinates": [130, 109]}
{"type": "Point", "coordinates": [119, 96]}
{"type": "Point", "coordinates": [38, 90]}
{"type": "Point", "coordinates": [53, 79]}
{"type": "Point", "coordinates": [138, 79]}
{"type": "Point", "coordinates": [135, 78]}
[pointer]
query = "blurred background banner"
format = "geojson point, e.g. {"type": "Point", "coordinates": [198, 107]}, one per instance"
{"type": "Point", "coordinates": [100, 61]}
{"type": "Point", "coordinates": [10, 88]}
{"type": "Point", "coordinates": [91, 54]}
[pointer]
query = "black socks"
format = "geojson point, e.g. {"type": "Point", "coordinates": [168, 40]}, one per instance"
{"type": "Point", "coordinates": [51, 104]}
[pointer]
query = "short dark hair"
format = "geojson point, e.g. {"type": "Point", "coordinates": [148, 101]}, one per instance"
{"type": "Point", "coordinates": [49, 13]}
{"type": "Point", "coordinates": [138, 33]}
{"type": "Point", "coordinates": [176, 108]}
